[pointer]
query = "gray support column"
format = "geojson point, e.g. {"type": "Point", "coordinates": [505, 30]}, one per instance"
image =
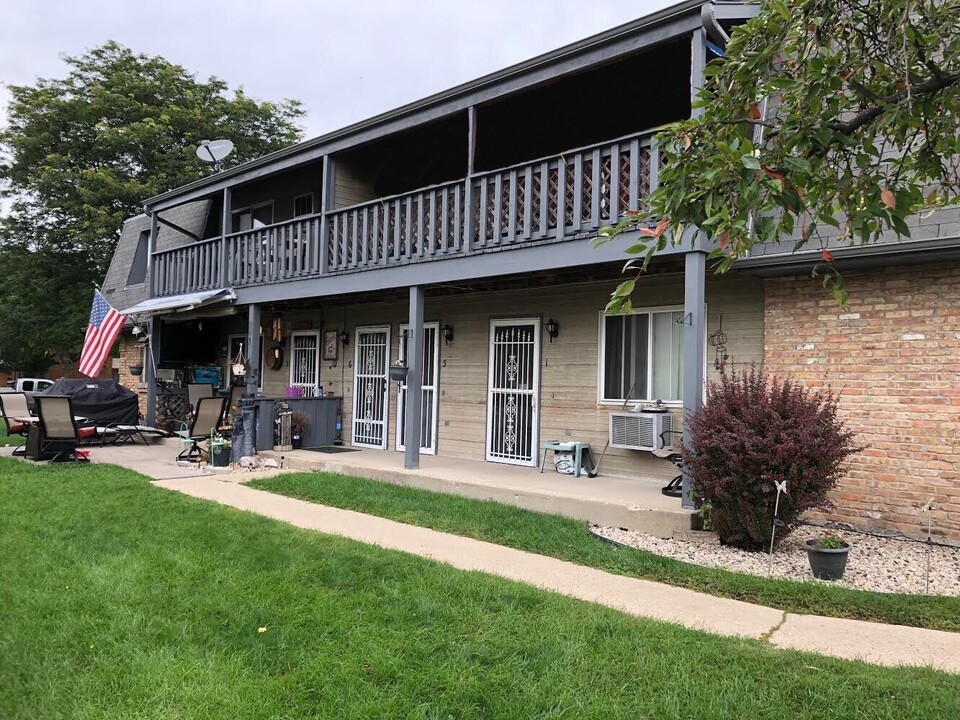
{"type": "Point", "coordinates": [151, 249]}
{"type": "Point", "coordinates": [694, 339]}
{"type": "Point", "coordinates": [411, 428]}
{"type": "Point", "coordinates": [327, 193]}
{"type": "Point", "coordinates": [253, 348]}
{"type": "Point", "coordinates": [226, 223]}
{"type": "Point", "coordinates": [150, 370]}
{"type": "Point", "coordinates": [698, 62]}
{"type": "Point", "coordinates": [468, 219]}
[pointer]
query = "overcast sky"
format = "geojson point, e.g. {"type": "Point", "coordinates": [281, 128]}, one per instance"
{"type": "Point", "coordinates": [345, 60]}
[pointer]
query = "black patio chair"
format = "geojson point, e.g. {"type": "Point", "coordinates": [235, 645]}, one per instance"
{"type": "Point", "coordinates": [669, 451]}
{"type": "Point", "coordinates": [204, 422]}
{"type": "Point", "coordinates": [59, 433]}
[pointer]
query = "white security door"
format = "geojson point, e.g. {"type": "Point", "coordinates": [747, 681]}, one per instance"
{"type": "Point", "coordinates": [370, 387]}
{"type": "Point", "coordinates": [428, 405]}
{"type": "Point", "coordinates": [513, 389]}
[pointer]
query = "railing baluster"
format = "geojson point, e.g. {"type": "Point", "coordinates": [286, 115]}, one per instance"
{"type": "Point", "coordinates": [432, 224]}
{"type": "Point", "coordinates": [544, 199]}
{"type": "Point", "coordinates": [561, 198]}
{"type": "Point", "coordinates": [634, 174]}
{"type": "Point", "coordinates": [498, 209]}
{"type": "Point", "coordinates": [468, 220]}
{"type": "Point", "coordinates": [595, 189]}
{"type": "Point", "coordinates": [484, 186]}
{"type": "Point", "coordinates": [397, 229]}
{"type": "Point", "coordinates": [408, 241]}
{"type": "Point", "coordinates": [654, 164]}
{"type": "Point", "coordinates": [614, 184]}
{"type": "Point", "coordinates": [365, 254]}
{"type": "Point", "coordinates": [457, 219]}
{"type": "Point", "coordinates": [527, 202]}
{"type": "Point", "coordinates": [577, 192]}
{"type": "Point", "coordinates": [512, 208]}
{"type": "Point", "coordinates": [377, 244]}
{"type": "Point", "coordinates": [444, 219]}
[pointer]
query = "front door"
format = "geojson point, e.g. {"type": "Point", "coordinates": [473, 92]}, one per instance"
{"type": "Point", "coordinates": [513, 389]}
{"type": "Point", "coordinates": [428, 405]}
{"type": "Point", "coordinates": [370, 402]}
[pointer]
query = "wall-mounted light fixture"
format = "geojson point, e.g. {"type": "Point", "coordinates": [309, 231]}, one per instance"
{"type": "Point", "coordinates": [344, 337]}
{"type": "Point", "coordinates": [447, 332]}
{"type": "Point", "coordinates": [552, 328]}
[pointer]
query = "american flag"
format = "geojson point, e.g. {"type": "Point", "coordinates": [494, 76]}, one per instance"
{"type": "Point", "coordinates": [105, 325]}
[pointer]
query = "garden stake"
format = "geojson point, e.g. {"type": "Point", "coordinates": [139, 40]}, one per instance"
{"type": "Point", "coordinates": [777, 522]}
{"type": "Point", "coordinates": [926, 510]}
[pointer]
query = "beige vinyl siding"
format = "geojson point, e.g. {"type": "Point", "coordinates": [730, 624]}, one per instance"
{"type": "Point", "coordinates": [350, 186]}
{"type": "Point", "coordinates": [282, 189]}
{"type": "Point", "coordinates": [569, 365]}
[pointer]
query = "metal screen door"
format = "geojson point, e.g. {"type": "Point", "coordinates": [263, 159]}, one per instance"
{"type": "Point", "coordinates": [513, 387]}
{"type": "Point", "coordinates": [370, 403]}
{"type": "Point", "coordinates": [428, 405]}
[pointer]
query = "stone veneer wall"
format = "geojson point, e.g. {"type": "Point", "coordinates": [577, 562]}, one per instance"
{"type": "Point", "coordinates": [893, 355]}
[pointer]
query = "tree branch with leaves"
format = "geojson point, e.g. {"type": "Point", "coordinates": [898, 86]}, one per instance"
{"type": "Point", "coordinates": [825, 119]}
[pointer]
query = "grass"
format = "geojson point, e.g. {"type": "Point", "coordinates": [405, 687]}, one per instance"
{"type": "Point", "coordinates": [568, 540]}
{"type": "Point", "coordinates": [122, 600]}
{"type": "Point", "coordinates": [10, 440]}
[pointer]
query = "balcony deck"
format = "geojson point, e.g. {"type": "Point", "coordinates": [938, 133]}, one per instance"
{"type": "Point", "coordinates": [555, 199]}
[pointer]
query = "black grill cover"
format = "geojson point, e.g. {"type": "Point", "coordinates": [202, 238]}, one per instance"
{"type": "Point", "coordinates": [102, 401]}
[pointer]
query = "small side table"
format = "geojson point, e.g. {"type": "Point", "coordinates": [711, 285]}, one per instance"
{"type": "Point", "coordinates": [580, 449]}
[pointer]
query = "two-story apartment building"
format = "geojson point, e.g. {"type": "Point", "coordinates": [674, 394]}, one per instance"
{"type": "Point", "coordinates": [461, 225]}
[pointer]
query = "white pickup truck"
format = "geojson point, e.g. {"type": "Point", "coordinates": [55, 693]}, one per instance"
{"type": "Point", "coordinates": [31, 387]}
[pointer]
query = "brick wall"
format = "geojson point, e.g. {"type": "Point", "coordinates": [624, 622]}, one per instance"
{"type": "Point", "coordinates": [131, 353]}
{"type": "Point", "coordinates": [893, 355]}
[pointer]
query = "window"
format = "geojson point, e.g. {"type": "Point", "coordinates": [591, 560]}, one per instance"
{"type": "Point", "coordinates": [305, 358]}
{"type": "Point", "coordinates": [641, 356]}
{"type": "Point", "coordinates": [253, 217]}
{"type": "Point", "coordinates": [303, 205]}
{"type": "Point", "coordinates": [138, 270]}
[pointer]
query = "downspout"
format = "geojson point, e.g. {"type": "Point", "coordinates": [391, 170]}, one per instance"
{"type": "Point", "coordinates": [708, 19]}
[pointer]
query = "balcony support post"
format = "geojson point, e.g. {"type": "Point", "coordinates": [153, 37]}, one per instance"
{"type": "Point", "coordinates": [225, 227]}
{"type": "Point", "coordinates": [151, 249]}
{"type": "Point", "coordinates": [327, 189]}
{"type": "Point", "coordinates": [253, 348]}
{"type": "Point", "coordinates": [150, 368]}
{"type": "Point", "coordinates": [413, 403]}
{"type": "Point", "coordinates": [693, 348]}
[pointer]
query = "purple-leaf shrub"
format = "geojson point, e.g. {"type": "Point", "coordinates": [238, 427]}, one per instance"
{"type": "Point", "coordinates": [753, 431]}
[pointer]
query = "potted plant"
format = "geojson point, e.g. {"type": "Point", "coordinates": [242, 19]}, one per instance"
{"type": "Point", "coordinates": [398, 372]}
{"type": "Point", "coordinates": [299, 424]}
{"type": "Point", "coordinates": [136, 370]}
{"type": "Point", "coordinates": [218, 448]}
{"type": "Point", "coordinates": [827, 554]}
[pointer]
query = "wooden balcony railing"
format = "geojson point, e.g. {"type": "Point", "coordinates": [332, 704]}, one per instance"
{"type": "Point", "coordinates": [560, 198]}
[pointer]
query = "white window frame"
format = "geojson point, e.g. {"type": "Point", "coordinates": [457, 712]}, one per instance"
{"type": "Point", "coordinates": [303, 333]}
{"type": "Point", "coordinates": [601, 347]}
{"type": "Point", "coordinates": [250, 208]}
{"type": "Point", "coordinates": [313, 204]}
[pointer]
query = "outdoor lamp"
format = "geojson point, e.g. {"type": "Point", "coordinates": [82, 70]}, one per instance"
{"type": "Point", "coordinates": [344, 337]}
{"type": "Point", "coordinates": [447, 332]}
{"type": "Point", "coordinates": [552, 328]}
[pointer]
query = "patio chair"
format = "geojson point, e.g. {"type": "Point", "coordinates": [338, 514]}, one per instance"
{"type": "Point", "coordinates": [205, 421]}
{"type": "Point", "coordinates": [14, 405]}
{"type": "Point", "coordinates": [196, 392]}
{"type": "Point", "coordinates": [59, 433]}
{"type": "Point", "coordinates": [669, 451]}
{"type": "Point", "coordinates": [236, 392]}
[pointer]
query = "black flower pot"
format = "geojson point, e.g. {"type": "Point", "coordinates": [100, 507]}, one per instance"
{"type": "Point", "coordinates": [297, 442]}
{"type": "Point", "coordinates": [826, 563]}
{"type": "Point", "coordinates": [136, 370]}
{"type": "Point", "coordinates": [220, 456]}
{"type": "Point", "coordinates": [398, 373]}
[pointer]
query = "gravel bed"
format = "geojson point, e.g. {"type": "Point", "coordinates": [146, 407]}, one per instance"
{"type": "Point", "coordinates": [880, 564]}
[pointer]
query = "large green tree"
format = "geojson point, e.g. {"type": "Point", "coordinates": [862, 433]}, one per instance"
{"type": "Point", "coordinates": [825, 118]}
{"type": "Point", "coordinates": [81, 153]}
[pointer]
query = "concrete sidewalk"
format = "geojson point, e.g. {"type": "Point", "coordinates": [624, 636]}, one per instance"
{"type": "Point", "coordinates": [890, 645]}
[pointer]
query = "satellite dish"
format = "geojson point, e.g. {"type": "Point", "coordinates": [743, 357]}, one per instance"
{"type": "Point", "coordinates": [213, 151]}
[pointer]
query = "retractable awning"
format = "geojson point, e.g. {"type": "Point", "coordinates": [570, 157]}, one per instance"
{"type": "Point", "coordinates": [181, 303]}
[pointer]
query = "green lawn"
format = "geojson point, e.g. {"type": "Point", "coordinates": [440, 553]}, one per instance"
{"type": "Point", "coordinates": [568, 539]}
{"type": "Point", "coordinates": [9, 440]}
{"type": "Point", "coordinates": [122, 600]}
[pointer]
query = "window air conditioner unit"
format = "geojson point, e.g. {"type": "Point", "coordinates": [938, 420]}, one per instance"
{"type": "Point", "coordinates": [638, 430]}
